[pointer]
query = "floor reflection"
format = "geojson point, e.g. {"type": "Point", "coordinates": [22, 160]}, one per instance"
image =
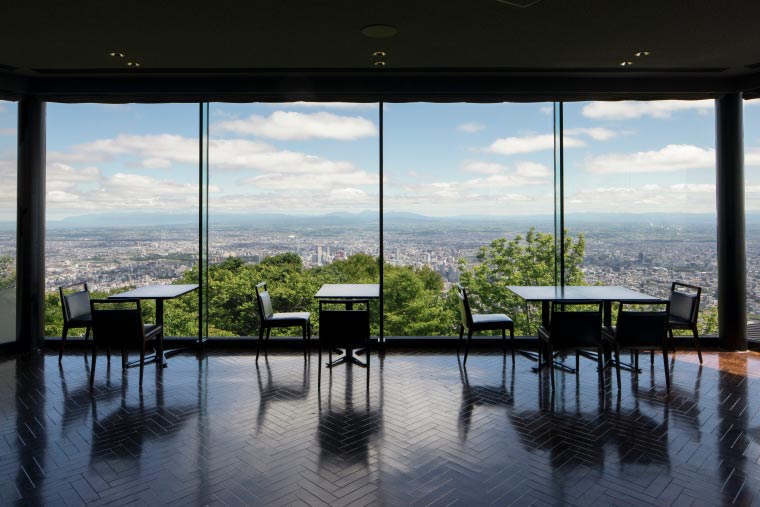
{"type": "Point", "coordinates": [490, 395]}
{"type": "Point", "coordinates": [281, 391]}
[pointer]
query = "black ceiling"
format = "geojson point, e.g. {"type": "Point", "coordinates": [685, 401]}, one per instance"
{"type": "Point", "coordinates": [486, 49]}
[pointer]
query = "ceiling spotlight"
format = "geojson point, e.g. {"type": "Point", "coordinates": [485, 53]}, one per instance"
{"type": "Point", "coordinates": [116, 54]}
{"type": "Point", "coordinates": [642, 53]}
{"type": "Point", "coordinates": [379, 54]}
{"type": "Point", "coordinates": [626, 63]}
{"type": "Point", "coordinates": [133, 64]}
{"type": "Point", "coordinates": [379, 31]}
{"type": "Point", "coordinates": [379, 63]}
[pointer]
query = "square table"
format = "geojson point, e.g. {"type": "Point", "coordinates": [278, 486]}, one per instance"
{"type": "Point", "coordinates": [345, 292]}
{"type": "Point", "coordinates": [159, 293]}
{"type": "Point", "coordinates": [607, 294]}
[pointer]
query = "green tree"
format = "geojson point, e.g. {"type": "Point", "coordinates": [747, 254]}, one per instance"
{"type": "Point", "coordinates": [522, 260]}
{"type": "Point", "coordinates": [414, 303]}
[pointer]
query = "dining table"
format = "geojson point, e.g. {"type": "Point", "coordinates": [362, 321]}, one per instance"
{"type": "Point", "coordinates": [346, 294]}
{"type": "Point", "coordinates": [159, 293]}
{"type": "Point", "coordinates": [607, 294]}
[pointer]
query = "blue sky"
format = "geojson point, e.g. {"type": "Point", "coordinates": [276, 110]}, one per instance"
{"type": "Point", "coordinates": [440, 159]}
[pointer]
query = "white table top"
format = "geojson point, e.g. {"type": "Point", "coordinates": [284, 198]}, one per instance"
{"type": "Point", "coordinates": [349, 291]}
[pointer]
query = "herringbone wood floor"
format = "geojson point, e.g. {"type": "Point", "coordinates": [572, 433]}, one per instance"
{"type": "Point", "coordinates": [220, 431]}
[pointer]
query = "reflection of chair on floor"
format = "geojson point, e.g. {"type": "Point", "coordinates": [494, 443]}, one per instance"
{"type": "Point", "coordinates": [276, 392]}
{"type": "Point", "coordinates": [345, 434]}
{"type": "Point", "coordinates": [120, 322]}
{"type": "Point", "coordinates": [269, 319]}
{"type": "Point", "coordinates": [684, 311]}
{"type": "Point", "coordinates": [640, 330]}
{"type": "Point", "coordinates": [482, 322]}
{"type": "Point", "coordinates": [574, 326]}
{"type": "Point", "coordinates": [76, 313]}
{"type": "Point", "coordinates": [483, 395]}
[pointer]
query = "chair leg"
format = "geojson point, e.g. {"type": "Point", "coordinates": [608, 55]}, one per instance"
{"type": "Point", "coordinates": [63, 341]}
{"type": "Point", "coordinates": [504, 341]}
{"type": "Point", "coordinates": [672, 341]}
{"type": "Point", "coordinates": [87, 333]}
{"type": "Point", "coordinates": [550, 356]}
{"type": "Point", "coordinates": [577, 362]}
{"type": "Point", "coordinates": [461, 334]}
{"type": "Point", "coordinates": [665, 363]}
{"type": "Point", "coordinates": [600, 365]}
{"type": "Point", "coordinates": [696, 343]}
{"type": "Point", "coordinates": [617, 364]}
{"type": "Point", "coordinates": [512, 343]}
{"type": "Point", "coordinates": [636, 360]}
{"type": "Point", "coordinates": [305, 342]}
{"type": "Point", "coordinates": [651, 357]}
{"type": "Point", "coordinates": [94, 359]}
{"type": "Point", "coordinates": [369, 345]}
{"type": "Point", "coordinates": [142, 362]}
{"type": "Point", "coordinates": [467, 346]}
{"type": "Point", "coordinates": [258, 343]}
{"type": "Point", "coordinates": [319, 363]}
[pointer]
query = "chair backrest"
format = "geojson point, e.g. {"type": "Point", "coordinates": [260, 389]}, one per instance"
{"type": "Point", "coordinates": [465, 312]}
{"type": "Point", "coordinates": [76, 304]}
{"type": "Point", "coordinates": [573, 324]}
{"type": "Point", "coordinates": [117, 321]}
{"type": "Point", "coordinates": [265, 302]}
{"type": "Point", "coordinates": [685, 305]}
{"type": "Point", "coordinates": [642, 328]}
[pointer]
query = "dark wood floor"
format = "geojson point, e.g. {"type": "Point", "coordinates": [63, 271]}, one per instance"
{"type": "Point", "coordinates": [220, 431]}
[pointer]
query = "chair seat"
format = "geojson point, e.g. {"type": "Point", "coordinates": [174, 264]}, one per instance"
{"type": "Point", "coordinates": [678, 322]}
{"type": "Point", "coordinates": [491, 321]}
{"type": "Point", "coordinates": [289, 319]}
{"type": "Point", "coordinates": [81, 321]}
{"type": "Point", "coordinates": [151, 330]}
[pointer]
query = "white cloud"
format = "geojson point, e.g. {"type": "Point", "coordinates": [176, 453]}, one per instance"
{"type": "Point", "coordinates": [477, 166]}
{"type": "Point", "coordinates": [629, 110]}
{"type": "Point", "coordinates": [289, 125]}
{"type": "Point", "coordinates": [335, 105]}
{"type": "Point", "coordinates": [470, 127]}
{"type": "Point", "coordinates": [533, 170]}
{"type": "Point", "coordinates": [595, 133]}
{"type": "Point", "coordinates": [156, 163]}
{"type": "Point", "coordinates": [673, 157]}
{"type": "Point", "coordinates": [648, 198]}
{"type": "Point", "coordinates": [546, 109]}
{"type": "Point", "coordinates": [529, 144]}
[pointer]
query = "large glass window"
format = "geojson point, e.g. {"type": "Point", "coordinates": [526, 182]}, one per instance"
{"type": "Point", "coordinates": [640, 189]}
{"type": "Point", "coordinates": [8, 143]}
{"type": "Point", "coordinates": [293, 200]}
{"type": "Point", "coordinates": [468, 196]}
{"type": "Point", "coordinates": [122, 203]}
{"type": "Point", "coordinates": [752, 208]}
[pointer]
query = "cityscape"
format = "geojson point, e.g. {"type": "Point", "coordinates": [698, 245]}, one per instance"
{"type": "Point", "coordinates": [642, 255]}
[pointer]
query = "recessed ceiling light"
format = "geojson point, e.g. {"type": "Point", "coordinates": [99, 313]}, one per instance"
{"type": "Point", "coordinates": [643, 53]}
{"type": "Point", "coordinates": [379, 31]}
{"type": "Point", "coordinates": [116, 54]}
{"type": "Point", "coordinates": [378, 54]}
{"type": "Point", "coordinates": [133, 64]}
{"type": "Point", "coordinates": [626, 63]}
{"type": "Point", "coordinates": [379, 63]}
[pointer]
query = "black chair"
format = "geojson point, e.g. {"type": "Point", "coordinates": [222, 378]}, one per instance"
{"type": "Point", "coordinates": [482, 322]}
{"type": "Point", "coordinates": [119, 321]}
{"type": "Point", "coordinates": [344, 323]}
{"type": "Point", "coordinates": [640, 330]}
{"type": "Point", "coordinates": [269, 319]}
{"type": "Point", "coordinates": [684, 312]}
{"type": "Point", "coordinates": [573, 326]}
{"type": "Point", "coordinates": [76, 313]}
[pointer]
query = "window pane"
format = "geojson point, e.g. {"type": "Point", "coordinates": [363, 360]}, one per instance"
{"type": "Point", "coordinates": [293, 202]}
{"type": "Point", "coordinates": [8, 121]}
{"type": "Point", "coordinates": [122, 204]}
{"type": "Point", "coordinates": [752, 209]}
{"type": "Point", "coordinates": [640, 188]}
{"type": "Point", "coordinates": [468, 196]}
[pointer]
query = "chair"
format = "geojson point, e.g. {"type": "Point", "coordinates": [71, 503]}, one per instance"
{"type": "Point", "coordinates": [574, 326]}
{"type": "Point", "coordinates": [482, 322]}
{"type": "Point", "coordinates": [684, 312]}
{"type": "Point", "coordinates": [269, 319]}
{"type": "Point", "coordinates": [119, 321]}
{"type": "Point", "coordinates": [640, 330]}
{"type": "Point", "coordinates": [76, 313]}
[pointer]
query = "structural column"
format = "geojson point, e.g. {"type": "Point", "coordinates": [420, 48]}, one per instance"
{"type": "Point", "coordinates": [30, 228]}
{"type": "Point", "coordinates": [732, 269]}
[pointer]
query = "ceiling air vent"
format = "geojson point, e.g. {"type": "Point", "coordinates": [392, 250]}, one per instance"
{"type": "Point", "coordinates": [519, 3]}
